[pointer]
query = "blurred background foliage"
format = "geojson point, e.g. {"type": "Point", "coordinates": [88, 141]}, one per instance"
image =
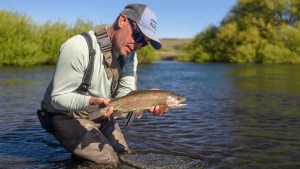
{"type": "Point", "coordinates": [26, 43]}
{"type": "Point", "coordinates": [264, 31]}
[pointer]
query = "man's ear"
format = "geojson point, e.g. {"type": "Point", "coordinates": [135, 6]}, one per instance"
{"type": "Point", "coordinates": [122, 21]}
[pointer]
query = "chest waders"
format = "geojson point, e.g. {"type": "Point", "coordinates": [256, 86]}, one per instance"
{"type": "Point", "coordinates": [113, 68]}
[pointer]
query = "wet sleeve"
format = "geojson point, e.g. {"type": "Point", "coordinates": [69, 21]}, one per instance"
{"type": "Point", "coordinates": [68, 75]}
{"type": "Point", "coordinates": [127, 81]}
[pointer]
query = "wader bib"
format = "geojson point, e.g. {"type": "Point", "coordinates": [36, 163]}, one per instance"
{"type": "Point", "coordinates": [112, 66]}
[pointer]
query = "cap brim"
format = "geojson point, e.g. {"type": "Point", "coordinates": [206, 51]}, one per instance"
{"type": "Point", "coordinates": [155, 43]}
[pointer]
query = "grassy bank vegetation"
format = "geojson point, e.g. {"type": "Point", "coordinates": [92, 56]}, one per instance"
{"type": "Point", "coordinates": [264, 31]}
{"type": "Point", "coordinates": [171, 47]}
{"type": "Point", "coordinates": [26, 43]}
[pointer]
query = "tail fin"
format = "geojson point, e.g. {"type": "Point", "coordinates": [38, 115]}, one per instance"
{"type": "Point", "coordinates": [95, 112]}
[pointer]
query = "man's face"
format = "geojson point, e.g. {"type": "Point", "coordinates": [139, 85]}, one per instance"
{"type": "Point", "coordinates": [129, 38]}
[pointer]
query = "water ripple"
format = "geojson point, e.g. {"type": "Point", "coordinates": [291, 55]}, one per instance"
{"type": "Point", "coordinates": [238, 116]}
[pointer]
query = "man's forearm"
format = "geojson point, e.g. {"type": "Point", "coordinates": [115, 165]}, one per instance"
{"type": "Point", "coordinates": [70, 101]}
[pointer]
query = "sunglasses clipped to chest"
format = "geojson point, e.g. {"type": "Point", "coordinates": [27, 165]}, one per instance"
{"type": "Point", "coordinates": [137, 34]}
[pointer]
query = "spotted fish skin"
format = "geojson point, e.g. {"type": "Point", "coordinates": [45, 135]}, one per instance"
{"type": "Point", "coordinates": [140, 100]}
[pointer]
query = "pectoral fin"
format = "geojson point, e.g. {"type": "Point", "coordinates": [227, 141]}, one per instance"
{"type": "Point", "coordinates": [138, 114]}
{"type": "Point", "coordinates": [96, 114]}
{"type": "Point", "coordinates": [95, 111]}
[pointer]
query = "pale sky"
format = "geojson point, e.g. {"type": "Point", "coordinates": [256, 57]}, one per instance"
{"type": "Point", "coordinates": [176, 18]}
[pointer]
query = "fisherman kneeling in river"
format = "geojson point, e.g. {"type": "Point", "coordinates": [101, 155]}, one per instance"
{"type": "Point", "coordinates": [89, 72]}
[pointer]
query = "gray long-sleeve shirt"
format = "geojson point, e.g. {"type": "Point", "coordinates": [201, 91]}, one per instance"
{"type": "Point", "coordinates": [71, 65]}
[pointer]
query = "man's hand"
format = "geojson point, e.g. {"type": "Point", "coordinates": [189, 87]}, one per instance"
{"type": "Point", "coordinates": [108, 113]}
{"type": "Point", "coordinates": [103, 101]}
{"type": "Point", "coordinates": [158, 110]}
{"type": "Point", "coordinates": [99, 100]}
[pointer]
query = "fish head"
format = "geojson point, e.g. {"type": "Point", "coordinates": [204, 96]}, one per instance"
{"type": "Point", "coordinates": [174, 101]}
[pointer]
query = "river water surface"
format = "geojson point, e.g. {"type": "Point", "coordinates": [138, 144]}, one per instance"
{"type": "Point", "coordinates": [238, 116]}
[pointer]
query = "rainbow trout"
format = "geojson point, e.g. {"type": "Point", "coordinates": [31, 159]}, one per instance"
{"type": "Point", "coordinates": [139, 100]}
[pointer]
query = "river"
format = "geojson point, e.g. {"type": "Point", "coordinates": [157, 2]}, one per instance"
{"type": "Point", "coordinates": [238, 116]}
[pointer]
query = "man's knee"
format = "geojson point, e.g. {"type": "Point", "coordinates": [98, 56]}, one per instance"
{"type": "Point", "coordinates": [104, 156]}
{"type": "Point", "coordinates": [84, 140]}
{"type": "Point", "coordinates": [95, 147]}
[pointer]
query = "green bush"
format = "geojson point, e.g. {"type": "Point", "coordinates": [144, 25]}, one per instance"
{"type": "Point", "coordinates": [19, 40]}
{"type": "Point", "coordinates": [147, 55]}
{"type": "Point", "coordinates": [25, 43]}
{"type": "Point", "coordinates": [252, 32]}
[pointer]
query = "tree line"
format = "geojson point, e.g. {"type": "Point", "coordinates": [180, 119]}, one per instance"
{"type": "Point", "coordinates": [264, 31]}
{"type": "Point", "coordinates": [254, 31]}
{"type": "Point", "coordinates": [27, 43]}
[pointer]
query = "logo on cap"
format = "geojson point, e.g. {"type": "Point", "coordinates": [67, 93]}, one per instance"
{"type": "Point", "coordinates": [153, 24]}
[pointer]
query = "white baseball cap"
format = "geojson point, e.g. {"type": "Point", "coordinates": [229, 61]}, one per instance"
{"type": "Point", "coordinates": [146, 20]}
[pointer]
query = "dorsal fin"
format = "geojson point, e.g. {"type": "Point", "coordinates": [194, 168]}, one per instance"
{"type": "Point", "coordinates": [135, 92]}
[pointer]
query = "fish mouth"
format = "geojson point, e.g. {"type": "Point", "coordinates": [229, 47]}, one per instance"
{"type": "Point", "coordinates": [180, 100]}
{"type": "Point", "coordinates": [181, 105]}
{"type": "Point", "coordinates": [174, 102]}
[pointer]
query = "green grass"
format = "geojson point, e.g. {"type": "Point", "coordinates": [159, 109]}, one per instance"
{"type": "Point", "coordinates": [171, 47]}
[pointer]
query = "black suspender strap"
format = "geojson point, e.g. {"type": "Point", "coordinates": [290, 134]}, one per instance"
{"type": "Point", "coordinates": [113, 66]}
{"type": "Point", "coordinates": [86, 81]}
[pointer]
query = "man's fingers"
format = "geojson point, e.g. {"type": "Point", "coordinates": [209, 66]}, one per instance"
{"type": "Point", "coordinates": [108, 113]}
{"type": "Point", "coordinates": [99, 100]}
{"type": "Point", "coordinates": [158, 110]}
{"type": "Point", "coordinates": [110, 110]}
{"type": "Point", "coordinates": [106, 101]}
{"type": "Point", "coordinates": [151, 109]}
{"type": "Point", "coordinates": [164, 108]}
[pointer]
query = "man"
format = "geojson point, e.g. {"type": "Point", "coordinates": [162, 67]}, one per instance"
{"type": "Point", "coordinates": [98, 140]}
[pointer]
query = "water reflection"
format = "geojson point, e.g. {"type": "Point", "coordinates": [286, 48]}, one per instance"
{"type": "Point", "coordinates": [238, 116]}
{"type": "Point", "coordinates": [267, 108]}
{"type": "Point", "coordinates": [268, 78]}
